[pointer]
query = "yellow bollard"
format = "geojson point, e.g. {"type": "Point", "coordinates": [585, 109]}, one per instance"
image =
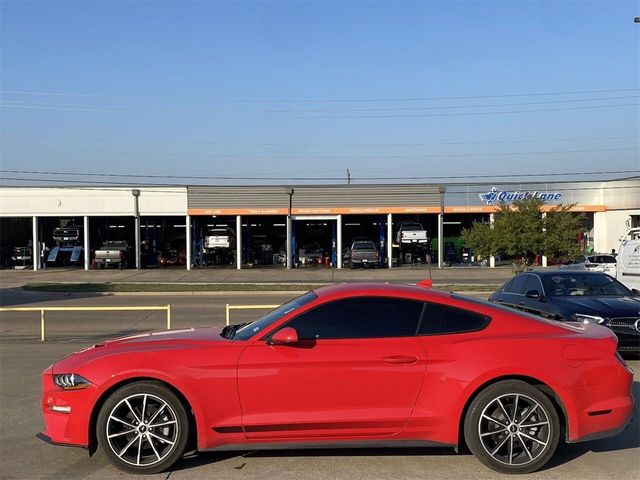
{"type": "Point", "coordinates": [168, 317]}
{"type": "Point", "coordinates": [42, 339]}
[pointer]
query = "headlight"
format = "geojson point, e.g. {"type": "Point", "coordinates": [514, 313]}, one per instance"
{"type": "Point", "coordinates": [71, 381]}
{"type": "Point", "coordinates": [581, 317]}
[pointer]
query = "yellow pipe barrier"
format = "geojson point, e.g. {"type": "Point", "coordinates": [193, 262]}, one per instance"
{"type": "Point", "coordinates": [42, 310]}
{"type": "Point", "coordinates": [228, 309]}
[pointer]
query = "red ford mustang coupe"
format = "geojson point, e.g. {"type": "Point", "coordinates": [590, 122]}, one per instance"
{"type": "Point", "coordinates": [350, 365]}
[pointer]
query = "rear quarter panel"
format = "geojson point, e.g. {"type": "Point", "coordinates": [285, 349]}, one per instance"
{"type": "Point", "coordinates": [460, 365]}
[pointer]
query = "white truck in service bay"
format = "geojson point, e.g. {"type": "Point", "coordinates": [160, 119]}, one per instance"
{"type": "Point", "coordinates": [411, 233]}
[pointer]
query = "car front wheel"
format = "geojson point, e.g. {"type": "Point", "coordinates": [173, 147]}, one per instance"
{"type": "Point", "coordinates": [143, 428]}
{"type": "Point", "coordinates": [512, 427]}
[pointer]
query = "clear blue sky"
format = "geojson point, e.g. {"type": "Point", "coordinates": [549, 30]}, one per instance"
{"type": "Point", "coordinates": [172, 84]}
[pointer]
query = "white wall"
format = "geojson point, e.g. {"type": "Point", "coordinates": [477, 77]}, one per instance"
{"type": "Point", "coordinates": [108, 201]}
{"type": "Point", "coordinates": [609, 227]}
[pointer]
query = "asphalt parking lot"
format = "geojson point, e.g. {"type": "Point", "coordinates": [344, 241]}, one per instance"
{"type": "Point", "coordinates": [23, 357]}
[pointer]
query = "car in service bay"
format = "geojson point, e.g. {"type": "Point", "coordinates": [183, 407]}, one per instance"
{"type": "Point", "coordinates": [577, 296]}
{"type": "Point", "coordinates": [363, 254]}
{"type": "Point", "coordinates": [347, 364]}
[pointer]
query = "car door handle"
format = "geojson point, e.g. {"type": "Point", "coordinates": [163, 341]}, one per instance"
{"type": "Point", "coordinates": [400, 359]}
{"type": "Point", "coordinates": [500, 300]}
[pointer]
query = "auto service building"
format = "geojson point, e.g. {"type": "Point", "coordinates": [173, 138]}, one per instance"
{"type": "Point", "coordinates": [275, 224]}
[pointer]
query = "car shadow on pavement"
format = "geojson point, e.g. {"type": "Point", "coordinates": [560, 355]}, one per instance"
{"type": "Point", "coordinates": [205, 458]}
{"type": "Point", "coordinates": [629, 438]}
{"type": "Point", "coordinates": [17, 296]}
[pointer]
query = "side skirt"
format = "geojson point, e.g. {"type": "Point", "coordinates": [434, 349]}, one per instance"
{"type": "Point", "coordinates": [330, 444]}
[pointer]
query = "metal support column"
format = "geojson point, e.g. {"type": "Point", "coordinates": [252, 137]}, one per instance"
{"type": "Point", "coordinates": [389, 240]}
{"type": "Point", "coordinates": [189, 246]}
{"type": "Point", "coordinates": [544, 257]}
{"type": "Point", "coordinates": [289, 250]}
{"type": "Point", "coordinates": [290, 192]}
{"type": "Point", "coordinates": [339, 241]}
{"type": "Point", "coordinates": [87, 249]}
{"type": "Point", "coordinates": [35, 249]}
{"type": "Point", "coordinates": [440, 240]}
{"type": "Point", "coordinates": [136, 213]}
{"type": "Point", "coordinates": [238, 242]}
{"type": "Point", "coordinates": [492, 258]}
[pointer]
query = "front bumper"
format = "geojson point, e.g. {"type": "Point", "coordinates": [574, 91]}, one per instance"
{"type": "Point", "coordinates": [66, 428]}
{"type": "Point", "coordinates": [628, 342]}
{"type": "Point", "coordinates": [47, 439]}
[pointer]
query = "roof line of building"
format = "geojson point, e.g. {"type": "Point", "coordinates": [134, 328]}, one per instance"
{"type": "Point", "coordinates": [294, 185]}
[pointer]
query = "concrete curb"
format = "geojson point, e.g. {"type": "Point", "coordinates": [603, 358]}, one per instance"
{"type": "Point", "coordinates": [230, 293]}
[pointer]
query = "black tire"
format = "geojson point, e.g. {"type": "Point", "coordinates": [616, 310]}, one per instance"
{"type": "Point", "coordinates": [158, 447]}
{"type": "Point", "coordinates": [521, 414]}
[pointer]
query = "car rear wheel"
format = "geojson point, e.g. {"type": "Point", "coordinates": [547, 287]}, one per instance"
{"type": "Point", "coordinates": [512, 427]}
{"type": "Point", "coordinates": [143, 428]}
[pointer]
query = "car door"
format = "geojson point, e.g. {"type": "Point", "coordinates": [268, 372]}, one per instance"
{"type": "Point", "coordinates": [356, 371]}
{"type": "Point", "coordinates": [533, 305]}
{"type": "Point", "coordinates": [514, 292]}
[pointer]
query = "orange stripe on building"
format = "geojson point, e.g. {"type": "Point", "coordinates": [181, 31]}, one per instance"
{"type": "Point", "coordinates": [370, 210]}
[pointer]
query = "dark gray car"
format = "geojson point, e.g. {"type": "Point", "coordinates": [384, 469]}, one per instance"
{"type": "Point", "coordinates": [363, 254]}
{"type": "Point", "coordinates": [577, 296]}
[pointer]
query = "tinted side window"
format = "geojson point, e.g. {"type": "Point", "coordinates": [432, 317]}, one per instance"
{"type": "Point", "coordinates": [440, 319]}
{"type": "Point", "coordinates": [533, 283]}
{"type": "Point", "coordinates": [517, 284]}
{"type": "Point", "coordinates": [360, 317]}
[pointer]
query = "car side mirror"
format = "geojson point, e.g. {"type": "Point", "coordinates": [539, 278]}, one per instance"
{"type": "Point", "coordinates": [636, 292]}
{"type": "Point", "coordinates": [532, 294]}
{"type": "Point", "coordinates": [284, 336]}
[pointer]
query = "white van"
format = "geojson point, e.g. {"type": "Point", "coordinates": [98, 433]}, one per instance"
{"type": "Point", "coordinates": [628, 264]}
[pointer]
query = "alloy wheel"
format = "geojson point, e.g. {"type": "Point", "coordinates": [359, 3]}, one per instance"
{"type": "Point", "coordinates": [142, 429]}
{"type": "Point", "coordinates": [514, 429]}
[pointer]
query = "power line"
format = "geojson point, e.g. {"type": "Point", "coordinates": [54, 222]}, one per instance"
{"type": "Point", "coordinates": [160, 185]}
{"type": "Point", "coordinates": [152, 109]}
{"type": "Point", "coordinates": [310, 117]}
{"type": "Point", "coordinates": [281, 177]}
{"type": "Point", "coordinates": [222, 155]}
{"type": "Point", "coordinates": [259, 144]}
{"type": "Point", "coordinates": [341, 100]}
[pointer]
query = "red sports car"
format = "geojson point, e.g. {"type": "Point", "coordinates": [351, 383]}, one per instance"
{"type": "Point", "coordinates": [353, 365]}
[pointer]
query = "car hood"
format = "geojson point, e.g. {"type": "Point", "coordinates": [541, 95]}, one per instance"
{"type": "Point", "coordinates": [187, 335]}
{"type": "Point", "coordinates": [609, 307]}
{"type": "Point", "coordinates": [189, 338]}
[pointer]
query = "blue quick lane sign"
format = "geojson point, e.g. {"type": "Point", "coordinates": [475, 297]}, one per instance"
{"type": "Point", "coordinates": [495, 196]}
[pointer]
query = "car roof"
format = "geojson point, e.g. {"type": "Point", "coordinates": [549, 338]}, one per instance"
{"type": "Point", "coordinates": [385, 289]}
{"type": "Point", "coordinates": [563, 272]}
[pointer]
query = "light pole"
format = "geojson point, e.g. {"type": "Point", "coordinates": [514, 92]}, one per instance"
{"type": "Point", "coordinates": [136, 212]}
{"type": "Point", "coordinates": [290, 192]}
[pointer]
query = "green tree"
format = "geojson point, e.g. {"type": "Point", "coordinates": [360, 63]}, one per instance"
{"type": "Point", "coordinates": [562, 229]}
{"type": "Point", "coordinates": [520, 230]}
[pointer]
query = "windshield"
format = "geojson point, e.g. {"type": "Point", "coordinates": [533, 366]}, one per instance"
{"type": "Point", "coordinates": [364, 246]}
{"type": "Point", "coordinates": [252, 328]}
{"type": "Point", "coordinates": [585, 284]}
{"type": "Point", "coordinates": [411, 226]}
